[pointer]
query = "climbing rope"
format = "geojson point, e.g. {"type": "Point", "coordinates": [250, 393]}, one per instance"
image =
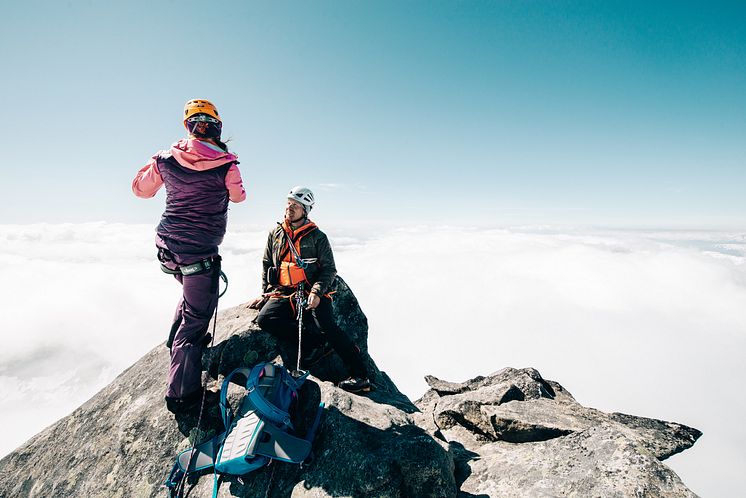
{"type": "Point", "coordinates": [271, 479]}
{"type": "Point", "coordinates": [224, 278]}
{"type": "Point", "coordinates": [300, 297]}
{"type": "Point", "coordinates": [301, 300]}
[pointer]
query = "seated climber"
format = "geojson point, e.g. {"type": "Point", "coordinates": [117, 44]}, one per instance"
{"type": "Point", "coordinates": [306, 265]}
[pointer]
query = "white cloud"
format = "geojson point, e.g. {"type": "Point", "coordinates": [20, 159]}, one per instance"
{"type": "Point", "coordinates": [645, 323]}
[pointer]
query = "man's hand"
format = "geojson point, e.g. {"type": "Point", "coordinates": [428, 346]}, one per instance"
{"type": "Point", "coordinates": [257, 303]}
{"type": "Point", "coordinates": [313, 301]}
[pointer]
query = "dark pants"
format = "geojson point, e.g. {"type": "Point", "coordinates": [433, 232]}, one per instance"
{"type": "Point", "coordinates": [277, 318]}
{"type": "Point", "coordinates": [191, 321]}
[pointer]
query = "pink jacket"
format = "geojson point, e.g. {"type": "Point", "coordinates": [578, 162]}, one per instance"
{"type": "Point", "coordinates": [193, 154]}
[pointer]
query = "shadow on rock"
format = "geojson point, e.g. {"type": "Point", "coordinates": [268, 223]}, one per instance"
{"type": "Point", "coordinates": [254, 345]}
{"type": "Point", "coordinates": [356, 459]}
{"type": "Point", "coordinates": [462, 470]}
{"type": "Point", "coordinates": [211, 424]}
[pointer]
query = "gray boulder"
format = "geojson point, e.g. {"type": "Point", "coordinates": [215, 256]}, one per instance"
{"type": "Point", "coordinates": [515, 434]}
{"type": "Point", "coordinates": [508, 434]}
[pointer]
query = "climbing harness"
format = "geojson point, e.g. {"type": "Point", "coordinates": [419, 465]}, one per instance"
{"type": "Point", "coordinates": [197, 268]}
{"type": "Point", "coordinates": [292, 272]}
{"type": "Point", "coordinates": [302, 263]}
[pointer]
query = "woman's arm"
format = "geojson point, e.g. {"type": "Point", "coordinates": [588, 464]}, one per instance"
{"type": "Point", "coordinates": [148, 180]}
{"type": "Point", "coordinates": [234, 184]}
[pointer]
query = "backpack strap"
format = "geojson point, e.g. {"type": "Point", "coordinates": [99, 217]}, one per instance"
{"type": "Point", "coordinates": [266, 408]}
{"type": "Point", "coordinates": [173, 480]}
{"type": "Point", "coordinates": [312, 431]}
{"type": "Point", "coordinates": [216, 480]}
{"type": "Point", "coordinates": [225, 411]}
{"type": "Point", "coordinates": [280, 445]}
{"type": "Point", "coordinates": [202, 457]}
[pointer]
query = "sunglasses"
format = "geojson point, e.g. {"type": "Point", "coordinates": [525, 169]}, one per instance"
{"type": "Point", "coordinates": [202, 118]}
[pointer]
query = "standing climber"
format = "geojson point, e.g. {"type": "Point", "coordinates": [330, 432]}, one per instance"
{"type": "Point", "coordinates": [200, 176]}
{"type": "Point", "coordinates": [307, 264]}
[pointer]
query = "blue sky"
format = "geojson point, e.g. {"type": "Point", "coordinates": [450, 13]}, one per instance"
{"type": "Point", "coordinates": [606, 113]}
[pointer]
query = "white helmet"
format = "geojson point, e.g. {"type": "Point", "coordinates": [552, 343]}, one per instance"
{"type": "Point", "coordinates": [303, 196]}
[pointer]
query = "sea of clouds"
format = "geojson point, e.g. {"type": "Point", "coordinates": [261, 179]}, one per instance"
{"type": "Point", "coordinates": [642, 322]}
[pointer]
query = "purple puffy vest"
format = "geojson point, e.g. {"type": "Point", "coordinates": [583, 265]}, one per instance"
{"type": "Point", "coordinates": [194, 222]}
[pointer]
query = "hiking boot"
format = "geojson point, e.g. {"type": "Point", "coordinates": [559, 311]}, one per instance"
{"type": "Point", "coordinates": [181, 406]}
{"type": "Point", "coordinates": [191, 402]}
{"type": "Point", "coordinates": [355, 385]}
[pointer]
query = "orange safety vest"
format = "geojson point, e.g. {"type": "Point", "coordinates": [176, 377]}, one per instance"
{"type": "Point", "coordinates": [290, 273]}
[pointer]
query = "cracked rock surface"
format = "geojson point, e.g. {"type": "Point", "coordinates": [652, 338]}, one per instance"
{"type": "Point", "coordinates": [511, 433]}
{"type": "Point", "coordinates": [514, 433]}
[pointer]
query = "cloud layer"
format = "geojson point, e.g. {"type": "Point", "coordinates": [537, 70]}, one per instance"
{"type": "Point", "coordinates": [648, 323]}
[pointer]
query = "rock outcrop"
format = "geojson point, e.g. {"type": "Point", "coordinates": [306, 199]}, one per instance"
{"type": "Point", "coordinates": [511, 433]}
{"type": "Point", "coordinates": [514, 433]}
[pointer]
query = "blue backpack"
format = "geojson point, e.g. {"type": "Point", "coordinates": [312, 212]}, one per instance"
{"type": "Point", "coordinates": [259, 431]}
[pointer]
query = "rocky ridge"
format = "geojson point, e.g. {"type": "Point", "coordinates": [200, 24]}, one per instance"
{"type": "Point", "coordinates": [511, 433]}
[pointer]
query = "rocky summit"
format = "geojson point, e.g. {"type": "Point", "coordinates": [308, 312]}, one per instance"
{"type": "Point", "coordinates": [510, 433]}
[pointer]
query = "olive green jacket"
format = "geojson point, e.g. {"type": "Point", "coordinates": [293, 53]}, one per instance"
{"type": "Point", "coordinates": [313, 244]}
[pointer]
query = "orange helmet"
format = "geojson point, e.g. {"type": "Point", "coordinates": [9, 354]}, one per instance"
{"type": "Point", "coordinates": [200, 106]}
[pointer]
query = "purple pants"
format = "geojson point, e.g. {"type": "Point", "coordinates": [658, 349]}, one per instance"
{"type": "Point", "coordinates": [192, 321]}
